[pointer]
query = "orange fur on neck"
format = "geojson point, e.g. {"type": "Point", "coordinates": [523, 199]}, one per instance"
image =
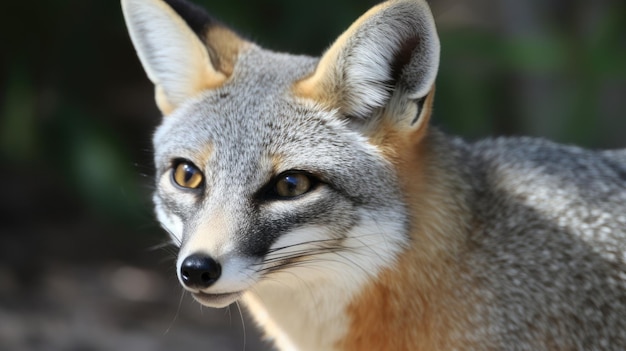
{"type": "Point", "coordinates": [414, 304]}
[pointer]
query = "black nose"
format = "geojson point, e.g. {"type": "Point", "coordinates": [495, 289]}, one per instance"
{"type": "Point", "coordinates": [199, 271]}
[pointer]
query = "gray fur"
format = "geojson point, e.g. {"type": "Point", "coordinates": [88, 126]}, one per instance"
{"type": "Point", "coordinates": [549, 243]}
{"type": "Point", "coordinates": [251, 119]}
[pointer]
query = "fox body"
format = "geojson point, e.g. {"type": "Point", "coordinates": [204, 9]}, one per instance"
{"type": "Point", "coordinates": [314, 190]}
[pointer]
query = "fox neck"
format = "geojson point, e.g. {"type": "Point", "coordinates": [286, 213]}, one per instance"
{"type": "Point", "coordinates": [368, 311]}
{"type": "Point", "coordinates": [305, 308]}
{"type": "Point", "coordinates": [310, 318]}
{"type": "Point", "coordinates": [425, 277]}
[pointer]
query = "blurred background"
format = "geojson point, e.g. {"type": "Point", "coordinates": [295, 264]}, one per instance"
{"type": "Point", "coordinates": [82, 260]}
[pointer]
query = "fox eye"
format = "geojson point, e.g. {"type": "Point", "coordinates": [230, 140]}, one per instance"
{"type": "Point", "coordinates": [187, 175]}
{"type": "Point", "coordinates": [293, 184]}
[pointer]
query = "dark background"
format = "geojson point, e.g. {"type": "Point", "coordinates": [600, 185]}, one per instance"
{"type": "Point", "coordinates": [82, 265]}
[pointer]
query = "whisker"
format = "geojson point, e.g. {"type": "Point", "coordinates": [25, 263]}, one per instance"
{"type": "Point", "coordinates": [301, 254]}
{"type": "Point", "coordinates": [305, 243]}
{"type": "Point", "coordinates": [180, 304]}
{"type": "Point", "coordinates": [276, 256]}
{"type": "Point", "coordinates": [230, 317]}
{"type": "Point", "coordinates": [243, 324]}
{"type": "Point", "coordinates": [330, 240]}
{"type": "Point", "coordinates": [297, 254]}
{"type": "Point", "coordinates": [307, 256]}
{"type": "Point", "coordinates": [161, 246]}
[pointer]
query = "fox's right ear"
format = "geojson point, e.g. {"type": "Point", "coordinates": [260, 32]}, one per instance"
{"type": "Point", "coordinates": [387, 59]}
{"type": "Point", "coordinates": [182, 50]}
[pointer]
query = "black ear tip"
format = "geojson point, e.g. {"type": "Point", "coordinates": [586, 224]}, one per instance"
{"type": "Point", "coordinates": [196, 17]}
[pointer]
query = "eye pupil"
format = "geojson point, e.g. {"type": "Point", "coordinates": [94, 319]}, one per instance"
{"type": "Point", "coordinates": [188, 172]}
{"type": "Point", "coordinates": [292, 185]}
{"type": "Point", "coordinates": [187, 175]}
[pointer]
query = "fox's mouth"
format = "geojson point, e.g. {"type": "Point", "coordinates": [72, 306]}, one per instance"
{"type": "Point", "coordinates": [217, 300]}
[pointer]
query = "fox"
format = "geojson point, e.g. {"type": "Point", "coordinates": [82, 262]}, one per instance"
{"type": "Point", "coordinates": [316, 191]}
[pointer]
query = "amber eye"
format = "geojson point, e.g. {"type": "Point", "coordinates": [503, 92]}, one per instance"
{"type": "Point", "coordinates": [293, 184]}
{"type": "Point", "coordinates": [187, 175]}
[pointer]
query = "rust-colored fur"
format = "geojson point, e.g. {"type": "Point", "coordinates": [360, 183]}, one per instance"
{"type": "Point", "coordinates": [414, 304]}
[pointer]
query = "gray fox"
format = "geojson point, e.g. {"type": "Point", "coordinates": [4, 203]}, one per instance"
{"type": "Point", "coordinates": [315, 191]}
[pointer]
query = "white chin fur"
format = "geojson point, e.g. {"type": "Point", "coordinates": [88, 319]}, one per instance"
{"type": "Point", "coordinates": [217, 300]}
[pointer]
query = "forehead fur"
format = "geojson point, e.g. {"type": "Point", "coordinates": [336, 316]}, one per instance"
{"type": "Point", "coordinates": [239, 106]}
{"type": "Point", "coordinates": [255, 127]}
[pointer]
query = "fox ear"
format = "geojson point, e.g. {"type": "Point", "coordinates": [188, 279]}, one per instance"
{"type": "Point", "coordinates": [182, 50]}
{"type": "Point", "coordinates": [388, 56]}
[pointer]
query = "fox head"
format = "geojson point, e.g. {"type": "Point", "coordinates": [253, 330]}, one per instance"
{"type": "Point", "coordinates": [281, 169]}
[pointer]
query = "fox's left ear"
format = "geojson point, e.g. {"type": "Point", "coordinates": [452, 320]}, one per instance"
{"type": "Point", "coordinates": [182, 49]}
{"type": "Point", "coordinates": [387, 60]}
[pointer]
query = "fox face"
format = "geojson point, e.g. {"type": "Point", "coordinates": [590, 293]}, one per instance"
{"type": "Point", "coordinates": [279, 169]}
{"type": "Point", "coordinates": [262, 182]}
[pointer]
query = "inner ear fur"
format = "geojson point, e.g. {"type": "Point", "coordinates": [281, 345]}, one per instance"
{"type": "Point", "coordinates": [389, 56]}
